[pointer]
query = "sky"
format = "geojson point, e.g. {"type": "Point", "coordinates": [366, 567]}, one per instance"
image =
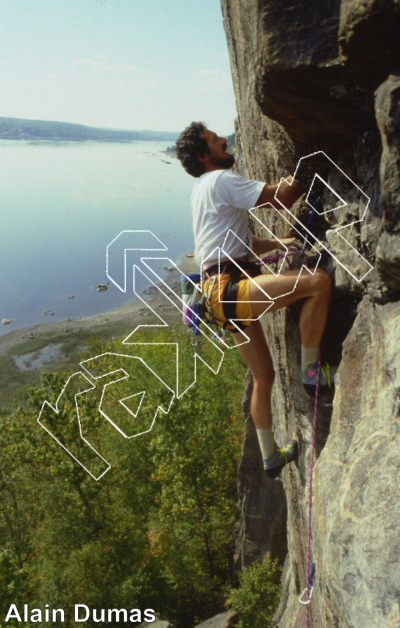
{"type": "Point", "coordinates": [126, 64]}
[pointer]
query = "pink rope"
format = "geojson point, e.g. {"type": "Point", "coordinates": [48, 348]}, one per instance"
{"type": "Point", "coordinates": [270, 259]}
{"type": "Point", "coordinates": [312, 457]}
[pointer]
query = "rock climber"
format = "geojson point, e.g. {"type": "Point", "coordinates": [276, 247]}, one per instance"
{"type": "Point", "coordinates": [220, 201]}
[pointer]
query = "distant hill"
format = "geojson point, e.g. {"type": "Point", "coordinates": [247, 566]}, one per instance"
{"type": "Point", "coordinates": [20, 129]}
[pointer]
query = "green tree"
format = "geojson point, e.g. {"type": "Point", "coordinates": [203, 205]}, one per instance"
{"type": "Point", "coordinates": [153, 532]}
{"type": "Point", "coordinates": [258, 595]}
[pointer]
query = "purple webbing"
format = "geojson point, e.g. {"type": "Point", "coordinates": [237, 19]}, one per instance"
{"type": "Point", "coordinates": [314, 432]}
{"type": "Point", "coordinates": [270, 259]}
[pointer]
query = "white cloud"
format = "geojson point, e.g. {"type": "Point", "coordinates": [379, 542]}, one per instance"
{"type": "Point", "coordinates": [117, 68]}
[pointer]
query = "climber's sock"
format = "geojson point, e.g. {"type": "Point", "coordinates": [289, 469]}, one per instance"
{"type": "Point", "coordinates": [309, 356]}
{"type": "Point", "coordinates": [266, 441]}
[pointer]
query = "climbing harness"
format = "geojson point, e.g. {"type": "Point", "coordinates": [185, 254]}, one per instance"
{"type": "Point", "coordinates": [229, 297]}
{"type": "Point", "coordinates": [311, 566]}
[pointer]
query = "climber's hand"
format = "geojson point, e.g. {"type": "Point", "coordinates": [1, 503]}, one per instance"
{"type": "Point", "coordinates": [290, 190]}
{"type": "Point", "coordinates": [289, 243]}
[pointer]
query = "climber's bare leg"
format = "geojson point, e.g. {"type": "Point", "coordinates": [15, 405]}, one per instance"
{"type": "Point", "coordinates": [316, 289]}
{"type": "Point", "coordinates": [258, 358]}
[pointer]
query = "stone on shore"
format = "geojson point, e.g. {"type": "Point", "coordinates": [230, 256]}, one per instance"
{"type": "Point", "coordinates": [101, 287]}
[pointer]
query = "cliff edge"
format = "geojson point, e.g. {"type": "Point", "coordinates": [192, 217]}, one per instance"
{"type": "Point", "coordinates": [312, 76]}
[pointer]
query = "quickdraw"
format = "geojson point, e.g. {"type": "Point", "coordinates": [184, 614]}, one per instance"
{"type": "Point", "coordinates": [310, 587]}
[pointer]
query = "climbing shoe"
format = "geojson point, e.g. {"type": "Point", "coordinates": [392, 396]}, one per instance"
{"type": "Point", "coordinates": [274, 464]}
{"type": "Point", "coordinates": [327, 378]}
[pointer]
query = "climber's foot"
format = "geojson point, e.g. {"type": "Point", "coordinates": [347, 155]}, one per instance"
{"type": "Point", "coordinates": [327, 378]}
{"type": "Point", "coordinates": [274, 464]}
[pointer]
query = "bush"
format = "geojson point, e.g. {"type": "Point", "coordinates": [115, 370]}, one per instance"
{"type": "Point", "coordinates": [258, 595]}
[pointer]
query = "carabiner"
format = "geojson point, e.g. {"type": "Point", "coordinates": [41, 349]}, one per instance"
{"type": "Point", "coordinates": [310, 585]}
{"type": "Point", "coordinates": [309, 597]}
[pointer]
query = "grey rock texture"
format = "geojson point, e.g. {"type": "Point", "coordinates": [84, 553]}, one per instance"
{"type": "Point", "coordinates": [261, 519]}
{"type": "Point", "coordinates": [312, 76]}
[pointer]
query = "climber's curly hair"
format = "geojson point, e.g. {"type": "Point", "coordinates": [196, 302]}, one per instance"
{"type": "Point", "coordinates": [188, 145]}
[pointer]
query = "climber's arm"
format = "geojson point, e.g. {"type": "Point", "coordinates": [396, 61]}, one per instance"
{"type": "Point", "coordinates": [265, 245]}
{"type": "Point", "coordinates": [290, 191]}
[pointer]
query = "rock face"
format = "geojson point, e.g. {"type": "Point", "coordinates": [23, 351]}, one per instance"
{"type": "Point", "coordinates": [312, 76]}
{"type": "Point", "coordinates": [261, 520]}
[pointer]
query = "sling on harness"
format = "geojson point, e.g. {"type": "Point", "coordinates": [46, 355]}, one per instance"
{"type": "Point", "coordinates": [196, 307]}
{"type": "Point", "coordinates": [193, 299]}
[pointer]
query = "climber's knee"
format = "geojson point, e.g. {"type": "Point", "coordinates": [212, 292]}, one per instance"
{"type": "Point", "coordinates": [322, 283]}
{"type": "Point", "coordinates": [264, 380]}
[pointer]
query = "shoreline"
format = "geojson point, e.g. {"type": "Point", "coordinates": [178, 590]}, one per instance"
{"type": "Point", "coordinates": [186, 265]}
{"type": "Point", "coordinates": [72, 335]}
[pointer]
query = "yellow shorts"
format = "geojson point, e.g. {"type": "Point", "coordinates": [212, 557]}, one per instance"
{"type": "Point", "coordinates": [243, 305]}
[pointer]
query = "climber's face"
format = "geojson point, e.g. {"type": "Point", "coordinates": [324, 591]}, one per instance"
{"type": "Point", "coordinates": [218, 158]}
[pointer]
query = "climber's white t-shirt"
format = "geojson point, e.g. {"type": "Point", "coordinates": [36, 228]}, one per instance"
{"type": "Point", "coordinates": [220, 202]}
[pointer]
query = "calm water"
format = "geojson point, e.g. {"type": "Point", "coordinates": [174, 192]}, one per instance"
{"type": "Point", "coordinates": [62, 204]}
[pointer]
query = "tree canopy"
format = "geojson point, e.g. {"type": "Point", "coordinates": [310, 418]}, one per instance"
{"type": "Point", "coordinates": [154, 530]}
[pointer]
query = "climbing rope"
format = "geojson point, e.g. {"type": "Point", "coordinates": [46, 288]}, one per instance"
{"type": "Point", "coordinates": [270, 259]}
{"type": "Point", "coordinates": [310, 566]}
